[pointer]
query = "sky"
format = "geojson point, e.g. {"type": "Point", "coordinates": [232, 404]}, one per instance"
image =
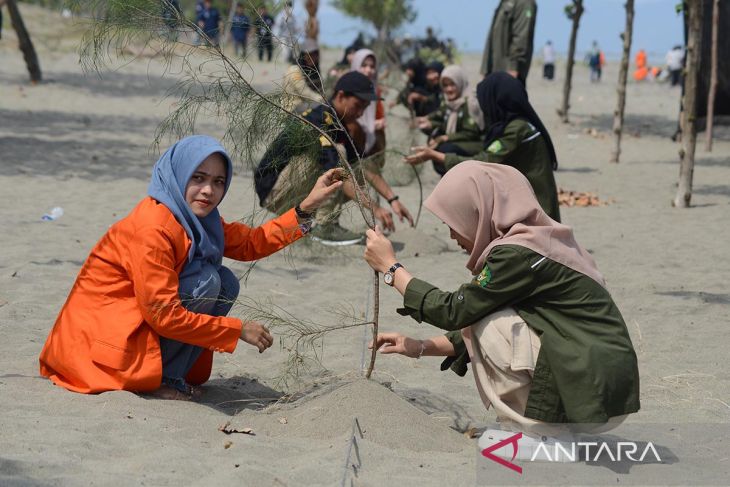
{"type": "Point", "coordinates": [657, 27]}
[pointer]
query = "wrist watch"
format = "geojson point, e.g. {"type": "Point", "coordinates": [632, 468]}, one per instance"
{"type": "Point", "coordinates": [389, 276]}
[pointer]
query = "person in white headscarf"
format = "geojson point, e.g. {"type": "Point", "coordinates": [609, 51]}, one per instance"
{"type": "Point", "coordinates": [373, 119]}
{"type": "Point", "coordinates": [457, 127]}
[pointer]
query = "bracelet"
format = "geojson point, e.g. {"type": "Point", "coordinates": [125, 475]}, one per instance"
{"type": "Point", "coordinates": [302, 214]}
{"type": "Point", "coordinates": [423, 349]}
{"type": "Point", "coordinates": [391, 200]}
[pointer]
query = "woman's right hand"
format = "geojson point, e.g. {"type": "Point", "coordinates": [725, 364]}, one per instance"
{"type": "Point", "coordinates": [257, 335]}
{"type": "Point", "coordinates": [398, 343]}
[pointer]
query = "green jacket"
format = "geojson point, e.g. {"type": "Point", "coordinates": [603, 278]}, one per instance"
{"type": "Point", "coordinates": [586, 370]}
{"type": "Point", "coordinates": [468, 136]}
{"type": "Point", "coordinates": [522, 147]}
{"type": "Point", "coordinates": [509, 42]}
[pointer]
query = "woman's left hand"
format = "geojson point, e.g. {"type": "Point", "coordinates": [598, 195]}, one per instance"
{"type": "Point", "coordinates": [325, 187]}
{"type": "Point", "coordinates": [379, 252]}
{"type": "Point", "coordinates": [380, 124]}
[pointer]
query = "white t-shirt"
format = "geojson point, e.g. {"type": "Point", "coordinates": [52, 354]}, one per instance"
{"type": "Point", "coordinates": [548, 54]}
{"type": "Point", "coordinates": [674, 59]}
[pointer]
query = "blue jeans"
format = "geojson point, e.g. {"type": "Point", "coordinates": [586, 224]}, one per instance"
{"type": "Point", "coordinates": [211, 292]}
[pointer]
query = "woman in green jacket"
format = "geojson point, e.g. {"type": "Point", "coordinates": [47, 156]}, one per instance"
{"type": "Point", "coordinates": [546, 342]}
{"type": "Point", "coordinates": [457, 127]}
{"type": "Point", "coordinates": [515, 136]}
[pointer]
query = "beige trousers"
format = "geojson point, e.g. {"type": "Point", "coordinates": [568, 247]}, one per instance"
{"type": "Point", "coordinates": [503, 350]}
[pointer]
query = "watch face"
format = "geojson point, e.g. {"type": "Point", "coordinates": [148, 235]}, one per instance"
{"type": "Point", "coordinates": [388, 278]}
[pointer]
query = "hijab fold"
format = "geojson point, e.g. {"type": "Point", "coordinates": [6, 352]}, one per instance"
{"type": "Point", "coordinates": [503, 98]}
{"type": "Point", "coordinates": [494, 204]}
{"type": "Point", "coordinates": [170, 177]}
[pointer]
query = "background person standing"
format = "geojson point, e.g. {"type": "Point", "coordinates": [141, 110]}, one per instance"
{"type": "Point", "coordinates": [240, 25]}
{"type": "Point", "coordinates": [509, 43]}
{"type": "Point", "coordinates": [264, 25]}
{"type": "Point", "coordinates": [675, 62]}
{"type": "Point", "coordinates": [209, 21]}
{"type": "Point", "coordinates": [288, 32]}
{"type": "Point", "coordinates": [548, 58]}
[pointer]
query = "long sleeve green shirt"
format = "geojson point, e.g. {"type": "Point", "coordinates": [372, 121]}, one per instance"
{"type": "Point", "coordinates": [522, 147]}
{"type": "Point", "coordinates": [586, 370]}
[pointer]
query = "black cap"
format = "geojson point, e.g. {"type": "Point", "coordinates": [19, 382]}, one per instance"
{"type": "Point", "coordinates": [358, 84]}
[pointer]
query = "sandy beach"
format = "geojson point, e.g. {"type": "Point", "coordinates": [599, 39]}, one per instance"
{"type": "Point", "coordinates": [83, 143]}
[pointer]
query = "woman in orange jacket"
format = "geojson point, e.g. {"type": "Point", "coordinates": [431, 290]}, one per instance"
{"type": "Point", "coordinates": [149, 305]}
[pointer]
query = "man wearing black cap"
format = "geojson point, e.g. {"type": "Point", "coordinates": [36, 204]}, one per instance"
{"type": "Point", "coordinates": [295, 160]}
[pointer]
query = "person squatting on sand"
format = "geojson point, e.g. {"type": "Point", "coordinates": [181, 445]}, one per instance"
{"type": "Point", "coordinates": [286, 172]}
{"type": "Point", "coordinates": [515, 136]}
{"type": "Point", "coordinates": [546, 342]}
{"type": "Point", "coordinates": [457, 127]}
{"type": "Point", "coordinates": [149, 305]}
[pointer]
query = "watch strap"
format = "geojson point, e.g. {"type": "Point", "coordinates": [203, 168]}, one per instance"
{"type": "Point", "coordinates": [394, 267]}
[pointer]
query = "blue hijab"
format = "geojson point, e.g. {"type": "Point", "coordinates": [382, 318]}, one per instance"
{"type": "Point", "coordinates": [170, 177]}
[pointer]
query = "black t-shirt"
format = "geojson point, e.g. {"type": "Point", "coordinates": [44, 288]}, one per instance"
{"type": "Point", "coordinates": [264, 24]}
{"type": "Point", "coordinates": [281, 151]}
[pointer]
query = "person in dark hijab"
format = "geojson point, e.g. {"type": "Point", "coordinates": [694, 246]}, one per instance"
{"type": "Point", "coordinates": [515, 136]}
{"type": "Point", "coordinates": [417, 96]}
{"type": "Point", "coordinates": [433, 74]}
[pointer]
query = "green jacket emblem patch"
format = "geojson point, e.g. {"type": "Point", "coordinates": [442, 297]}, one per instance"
{"type": "Point", "coordinates": [484, 277]}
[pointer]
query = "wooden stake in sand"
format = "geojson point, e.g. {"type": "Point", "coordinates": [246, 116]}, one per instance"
{"type": "Point", "coordinates": [713, 76]}
{"type": "Point", "coordinates": [688, 120]}
{"type": "Point", "coordinates": [24, 42]}
{"type": "Point", "coordinates": [618, 114]}
{"type": "Point", "coordinates": [573, 10]}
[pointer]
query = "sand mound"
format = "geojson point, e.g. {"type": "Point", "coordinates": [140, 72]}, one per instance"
{"type": "Point", "coordinates": [385, 418]}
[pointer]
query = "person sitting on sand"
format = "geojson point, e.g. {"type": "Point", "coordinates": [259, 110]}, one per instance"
{"type": "Point", "coordinates": [515, 136]}
{"type": "Point", "coordinates": [546, 342]}
{"type": "Point", "coordinates": [291, 165]}
{"type": "Point", "coordinates": [457, 127]}
{"type": "Point", "coordinates": [149, 305]}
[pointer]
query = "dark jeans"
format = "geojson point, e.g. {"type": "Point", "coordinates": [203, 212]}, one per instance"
{"type": "Point", "coordinates": [675, 76]}
{"type": "Point", "coordinates": [212, 293]}
{"type": "Point", "coordinates": [447, 148]}
{"type": "Point", "coordinates": [265, 44]}
{"type": "Point", "coordinates": [240, 47]}
{"type": "Point", "coordinates": [548, 71]}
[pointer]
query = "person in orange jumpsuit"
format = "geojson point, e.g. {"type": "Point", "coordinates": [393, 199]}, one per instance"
{"type": "Point", "coordinates": [642, 70]}
{"type": "Point", "coordinates": [149, 305]}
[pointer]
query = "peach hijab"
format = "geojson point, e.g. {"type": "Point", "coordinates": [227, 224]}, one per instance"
{"type": "Point", "coordinates": [494, 204]}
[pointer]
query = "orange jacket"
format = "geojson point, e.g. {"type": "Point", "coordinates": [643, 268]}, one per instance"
{"type": "Point", "coordinates": [126, 296]}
